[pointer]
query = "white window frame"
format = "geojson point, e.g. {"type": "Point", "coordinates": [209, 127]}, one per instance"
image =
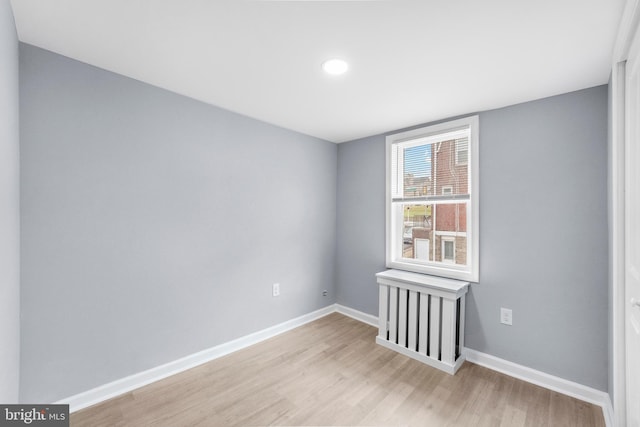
{"type": "Point", "coordinates": [447, 190]}
{"type": "Point", "coordinates": [394, 258]}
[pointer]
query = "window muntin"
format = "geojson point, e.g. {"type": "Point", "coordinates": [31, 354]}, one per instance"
{"type": "Point", "coordinates": [432, 216]}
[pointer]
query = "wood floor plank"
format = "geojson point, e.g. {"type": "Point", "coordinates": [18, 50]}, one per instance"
{"type": "Point", "coordinates": [331, 372]}
{"type": "Point", "coordinates": [513, 417]}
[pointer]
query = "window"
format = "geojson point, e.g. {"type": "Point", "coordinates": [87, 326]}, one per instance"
{"type": "Point", "coordinates": [462, 151]}
{"type": "Point", "coordinates": [432, 200]}
{"type": "Point", "coordinates": [448, 250]}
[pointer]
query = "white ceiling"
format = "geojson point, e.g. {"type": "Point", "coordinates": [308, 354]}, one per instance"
{"type": "Point", "coordinates": [410, 61]}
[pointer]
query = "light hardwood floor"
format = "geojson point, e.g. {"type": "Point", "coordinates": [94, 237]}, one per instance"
{"type": "Point", "coordinates": [331, 372]}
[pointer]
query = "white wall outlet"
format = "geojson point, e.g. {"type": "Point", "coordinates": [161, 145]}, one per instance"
{"type": "Point", "coordinates": [325, 293]}
{"type": "Point", "coordinates": [506, 316]}
{"type": "Point", "coordinates": [275, 290]}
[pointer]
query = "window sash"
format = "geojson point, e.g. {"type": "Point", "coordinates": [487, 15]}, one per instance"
{"type": "Point", "coordinates": [398, 166]}
{"type": "Point", "coordinates": [434, 228]}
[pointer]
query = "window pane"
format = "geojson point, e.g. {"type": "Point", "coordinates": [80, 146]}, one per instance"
{"type": "Point", "coordinates": [450, 175]}
{"type": "Point", "coordinates": [434, 168]}
{"type": "Point", "coordinates": [447, 244]}
{"type": "Point", "coordinates": [451, 233]}
{"type": "Point", "coordinates": [417, 173]}
{"type": "Point", "coordinates": [416, 230]}
{"type": "Point", "coordinates": [451, 217]}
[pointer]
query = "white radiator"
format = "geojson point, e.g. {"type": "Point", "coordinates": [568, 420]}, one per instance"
{"type": "Point", "coordinates": [422, 317]}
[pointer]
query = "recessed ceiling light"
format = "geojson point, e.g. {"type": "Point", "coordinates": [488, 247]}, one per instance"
{"type": "Point", "coordinates": [335, 66]}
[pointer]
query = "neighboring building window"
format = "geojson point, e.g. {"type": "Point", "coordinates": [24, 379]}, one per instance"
{"type": "Point", "coordinates": [432, 199]}
{"type": "Point", "coordinates": [462, 151]}
{"type": "Point", "coordinates": [448, 250]}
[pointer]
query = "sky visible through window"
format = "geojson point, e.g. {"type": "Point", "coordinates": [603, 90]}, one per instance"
{"type": "Point", "coordinates": [417, 161]}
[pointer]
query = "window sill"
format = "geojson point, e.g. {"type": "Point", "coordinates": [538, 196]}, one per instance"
{"type": "Point", "coordinates": [441, 271]}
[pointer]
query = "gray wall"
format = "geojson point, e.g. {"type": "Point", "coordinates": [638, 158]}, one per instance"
{"type": "Point", "coordinates": [360, 247]}
{"type": "Point", "coordinates": [9, 209]}
{"type": "Point", "coordinates": [154, 225]}
{"type": "Point", "coordinates": [543, 234]}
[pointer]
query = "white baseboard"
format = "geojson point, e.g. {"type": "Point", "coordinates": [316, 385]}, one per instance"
{"type": "Point", "coordinates": [545, 380]}
{"type": "Point", "coordinates": [358, 315]}
{"type": "Point", "coordinates": [132, 382]}
{"type": "Point", "coordinates": [607, 411]}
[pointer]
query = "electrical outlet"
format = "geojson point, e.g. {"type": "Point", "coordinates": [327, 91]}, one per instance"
{"type": "Point", "coordinates": [276, 289]}
{"type": "Point", "coordinates": [325, 293]}
{"type": "Point", "coordinates": [506, 316]}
